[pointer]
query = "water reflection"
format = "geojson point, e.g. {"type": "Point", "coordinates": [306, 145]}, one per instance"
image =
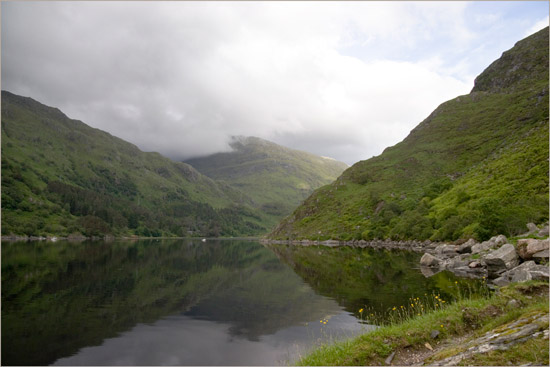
{"type": "Point", "coordinates": [183, 302]}
{"type": "Point", "coordinates": [59, 298]}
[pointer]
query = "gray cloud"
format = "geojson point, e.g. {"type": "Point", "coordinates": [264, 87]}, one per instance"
{"type": "Point", "coordinates": [182, 77]}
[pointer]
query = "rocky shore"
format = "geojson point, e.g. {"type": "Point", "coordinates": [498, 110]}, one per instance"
{"type": "Point", "coordinates": [496, 259]}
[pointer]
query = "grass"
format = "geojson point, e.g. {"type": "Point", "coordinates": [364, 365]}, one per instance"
{"type": "Point", "coordinates": [469, 316]}
{"type": "Point", "coordinates": [476, 167]}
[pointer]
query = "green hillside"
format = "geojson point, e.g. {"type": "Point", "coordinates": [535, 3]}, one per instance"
{"type": "Point", "coordinates": [275, 177]}
{"type": "Point", "coordinates": [60, 176]}
{"type": "Point", "coordinates": [477, 166]}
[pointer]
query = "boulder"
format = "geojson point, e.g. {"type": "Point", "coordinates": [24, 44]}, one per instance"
{"type": "Point", "coordinates": [466, 247]}
{"type": "Point", "coordinates": [541, 255]}
{"type": "Point", "coordinates": [474, 264]}
{"type": "Point", "coordinates": [430, 261]}
{"type": "Point", "coordinates": [494, 242]}
{"type": "Point", "coordinates": [457, 261]}
{"type": "Point", "coordinates": [537, 272]}
{"type": "Point", "coordinates": [501, 281]}
{"type": "Point", "coordinates": [527, 247]}
{"type": "Point", "coordinates": [532, 227]}
{"type": "Point", "coordinates": [502, 259]}
{"type": "Point", "coordinates": [445, 250]}
{"type": "Point", "coordinates": [540, 272]}
{"type": "Point", "coordinates": [521, 275]}
{"type": "Point", "coordinates": [499, 240]}
{"type": "Point", "coordinates": [544, 231]}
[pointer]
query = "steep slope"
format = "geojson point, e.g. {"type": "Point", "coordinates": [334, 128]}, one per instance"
{"type": "Point", "coordinates": [477, 166]}
{"type": "Point", "coordinates": [275, 177]}
{"type": "Point", "coordinates": [61, 176]}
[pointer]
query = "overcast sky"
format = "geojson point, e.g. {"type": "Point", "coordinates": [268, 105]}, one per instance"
{"type": "Point", "coordinates": [338, 79]}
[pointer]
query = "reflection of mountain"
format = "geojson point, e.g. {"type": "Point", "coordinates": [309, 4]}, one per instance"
{"type": "Point", "coordinates": [379, 279]}
{"type": "Point", "coordinates": [263, 300]}
{"type": "Point", "coordinates": [59, 298]}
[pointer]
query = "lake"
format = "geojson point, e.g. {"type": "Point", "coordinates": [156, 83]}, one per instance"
{"type": "Point", "coordinates": [187, 302]}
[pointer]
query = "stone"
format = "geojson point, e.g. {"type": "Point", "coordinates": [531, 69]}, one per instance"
{"type": "Point", "coordinates": [521, 275]}
{"type": "Point", "coordinates": [501, 281]}
{"type": "Point", "coordinates": [430, 261]}
{"type": "Point", "coordinates": [541, 255]}
{"type": "Point", "coordinates": [540, 272]}
{"type": "Point", "coordinates": [499, 240]}
{"type": "Point", "coordinates": [390, 358]}
{"type": "Point", "coordinates": [532, 227]}
{"type": "Point", "coordinates": [483, 247]}
{"type": "Point", "coordinates": [434, 334]}
{"type": "Point", "coordinates": [537, 272]}
{"type": "Point", "coordinates": [456, 262]}
{"type": "Point", "coordinates": [446, 250]}
{"type": "Point", "coordinates": [527, 247]}
{"type": "Point", "coordinates": [466, 247]}
{"type": "Point", "coordinates": [474, 264]}
{"type": "Point", "coordinates": [544, 231]}
{"type": "Point", "coordinates": [502, 259]}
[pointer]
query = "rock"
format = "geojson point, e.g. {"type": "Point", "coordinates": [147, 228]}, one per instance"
{"type": "Point", "coordinates": [430, 261]}
{"type": "Point", "coordinates": [532, 227]}
{"type": "Point", "coordinates": [446, 250]}
{"type": "Point", "coordinates": [501, 281]}
{"type": "Point", "coordinates": [537, 272]}
{"type": "Point", "coordinates": [499, 240]}
{"type": "Point", "coordinates": [502, 259]}
{"type": "Point", "coordinates": [544, 231]}
{"type": "Point", "coordinates": [474, 264]}
{"type": "Point", "coordinates": [456, 262]}
{"type": "Point", "coordinates": [541, 255]}
{"type": "Point", "coordinates": [434, 334]}
{"type": "Point", "coordinates": [527, 247]}
{"type": "Point", "coordinates": [466, 247]}
{"type": "Point", "coordinates": [540, 272]}
{"type": "Point", "coordinates": [521, 275]}
{"type": "Point", "coordinates": [390, 358]}
{"type": "Point", "coordinates": [483, 246]}
{"type": "Point", "coordinates": [502, 338]}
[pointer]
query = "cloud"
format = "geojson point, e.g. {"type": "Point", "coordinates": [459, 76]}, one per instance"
{"type": "Point", "coordinates": [540, 24]}
{"type": "Point", "coordinates": [338, 79]}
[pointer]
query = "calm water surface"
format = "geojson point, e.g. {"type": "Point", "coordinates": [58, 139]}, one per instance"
{"type": "Point", "coordinates": [185, 302]}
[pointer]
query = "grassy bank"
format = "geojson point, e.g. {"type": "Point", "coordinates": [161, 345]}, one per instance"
{"type": "Point", "coordinates": [456, 323]}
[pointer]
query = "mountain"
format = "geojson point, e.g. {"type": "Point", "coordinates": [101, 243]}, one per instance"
{"type": "Point", "coordinates": [477, 166]}
{"type": "Point", "coordinates": [276, 178]}
{"type": "Point", "coordinates": [60, 176]}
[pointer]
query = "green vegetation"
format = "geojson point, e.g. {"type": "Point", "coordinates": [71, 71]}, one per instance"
{"type": "Point", "coordinates": [371, 279]}
{"type": "Point", "coordinates": [471, 317]}
{"type": "Point", "coordinates": [476, 167]}
{"type": "Point", "coordinates": [276, 178]}
{"type": "Point", "coordinates": [60, 176]}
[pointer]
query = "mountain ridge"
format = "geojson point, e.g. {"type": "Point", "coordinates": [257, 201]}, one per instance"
{"type": "Point", "coordinates": [276, 178]}
{"type": "Point", "coordinates": [61, 176]}
{"type": "Point", "coordinates": [476, 166]}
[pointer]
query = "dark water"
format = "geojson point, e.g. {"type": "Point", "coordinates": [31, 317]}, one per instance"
{"type": "Point", "coordinates": [184, 302]}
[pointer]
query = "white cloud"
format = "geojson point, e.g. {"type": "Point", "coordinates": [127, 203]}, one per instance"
{"type": "Point", "coordinates": [540, 24]}
{"type": "Point", "coordinates": [339, 79]}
